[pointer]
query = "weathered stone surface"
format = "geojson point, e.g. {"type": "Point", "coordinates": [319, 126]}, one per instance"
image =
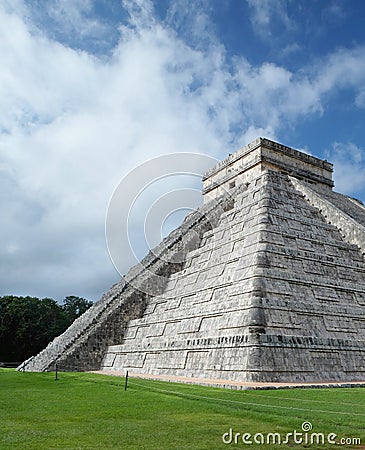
{"type": "Point", "coordinates": [273, 288]}
{"type": "Point", "coordinates": [247, 163]}
{"type": "Point", "coordinates": [83, 345]}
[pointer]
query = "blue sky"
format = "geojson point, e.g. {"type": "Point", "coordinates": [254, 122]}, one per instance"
{"type": "Point", "coordinates": [91, 89]}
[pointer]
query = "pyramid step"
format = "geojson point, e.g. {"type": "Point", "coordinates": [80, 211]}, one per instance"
{"type": "Point", "coordinates": [273, 288]}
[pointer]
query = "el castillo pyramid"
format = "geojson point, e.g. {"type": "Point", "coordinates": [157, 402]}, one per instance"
{"type": "Point", "coordinates": [264, 282]}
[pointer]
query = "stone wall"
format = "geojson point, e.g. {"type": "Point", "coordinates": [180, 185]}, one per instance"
{"type": "Point", "coordinates": [262, 154]}
{"type": "Point", "coordinates": [272, 293]}
{"type": "Point", "coordinates": [264, 283]}
{"type": "Point", "coordinates": [83, 344]}
{"type": "Point", "coordinates": [336, 209]}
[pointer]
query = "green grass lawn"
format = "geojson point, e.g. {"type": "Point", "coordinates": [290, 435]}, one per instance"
{"type": "Point", "coordinates": [88, 411]}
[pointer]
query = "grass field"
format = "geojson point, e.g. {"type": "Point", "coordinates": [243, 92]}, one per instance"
{"type": "Point", "coordinates": [89, 411]}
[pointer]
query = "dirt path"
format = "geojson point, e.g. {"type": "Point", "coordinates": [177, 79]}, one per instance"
{"type": "Point", "coordinates": [233, 384]}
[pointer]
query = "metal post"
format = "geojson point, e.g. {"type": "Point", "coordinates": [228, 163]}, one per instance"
{"type": "Point", "coordinates": [56, 378]}
{"type": "Point", "coordinates": [126, 381]}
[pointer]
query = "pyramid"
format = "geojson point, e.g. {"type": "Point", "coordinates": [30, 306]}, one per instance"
{"type": "Point", "coordinates": [264, 282]}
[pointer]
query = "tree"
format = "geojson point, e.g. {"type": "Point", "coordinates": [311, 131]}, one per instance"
{"type": "Point", "coordinates": [74, 307]}
{"type": "Point", "coordinates": [28, 324]}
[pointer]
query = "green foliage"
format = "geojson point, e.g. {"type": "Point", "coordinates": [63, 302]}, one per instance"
{"type": "Point", "coordinates": [28, 324]}
{"type": "Point", "coordinates": [73, 307]}
{"type": "Point", "coordinates": [91, 411]}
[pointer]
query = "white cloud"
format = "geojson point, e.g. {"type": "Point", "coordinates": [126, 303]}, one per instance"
{"type": "Point", "coordinates": [192, 21]}
{"type": "Point", "coordinates": [70, 15]}
{"type": "Point", "coordinates": [265, 12]}
{"type": "Point", "coordinates": [360, 99]}
{"type": "Point", "coordinates": [273, 96]}
{"type": "Point", "coordinates": [336, 10]}
{"type": "Point", "coordinates": [141, 13]}
{"type": "Point", "coordinates": [73, 124]}
{"type": "Point", "coordinates": [342, 68]}
{"type": "Point", "coordinates": [290, 49]}
{"type": "Point", "coordinates": [349, 167]}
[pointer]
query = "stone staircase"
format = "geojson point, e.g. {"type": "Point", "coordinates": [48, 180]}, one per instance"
{"type": "Point", "coordinates": [83, 344]}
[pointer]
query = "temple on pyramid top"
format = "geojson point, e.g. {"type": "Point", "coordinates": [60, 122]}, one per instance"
{"type": "Point", "coordinates": [261, 154]}
{"type": "Point", "coordinates": [265, 282]}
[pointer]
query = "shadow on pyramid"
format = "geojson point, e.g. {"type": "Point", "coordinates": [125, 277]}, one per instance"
{"type": "Point", "coordinates": [264, 283]}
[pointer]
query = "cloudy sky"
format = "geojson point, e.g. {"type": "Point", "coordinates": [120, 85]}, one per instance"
{"type": "Point", "coordinates": [90, 89]}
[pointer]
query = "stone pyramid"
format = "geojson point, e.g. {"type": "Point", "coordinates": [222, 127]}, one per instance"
{"type": "Point", "coordinates": [265, 282]}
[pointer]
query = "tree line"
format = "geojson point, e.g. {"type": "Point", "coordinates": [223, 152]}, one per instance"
{"type": "Point", "coordinates": [28, 324]}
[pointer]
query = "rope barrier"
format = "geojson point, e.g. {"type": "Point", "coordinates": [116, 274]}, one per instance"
{"type": "Point", "coordinates": [180, 394]}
